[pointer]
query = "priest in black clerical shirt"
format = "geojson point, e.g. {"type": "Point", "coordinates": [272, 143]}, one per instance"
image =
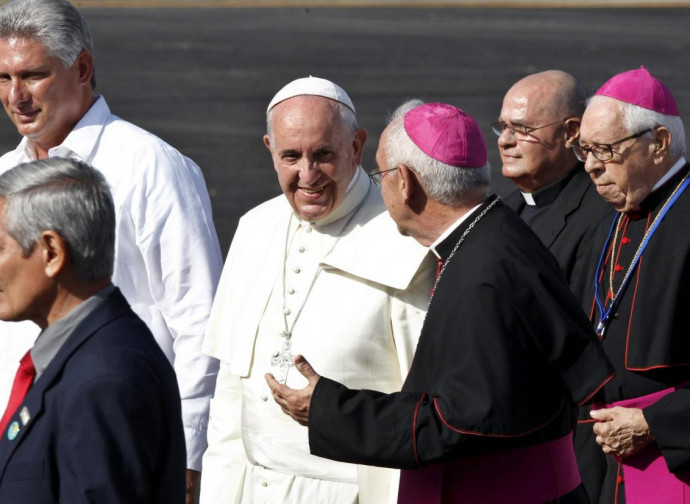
{"type": "Point", "coordinates": [633, 145]}
{"type": "Point", "coordinates": [505, 353]}
{"type": "Point", "coordinates": [537, 127]}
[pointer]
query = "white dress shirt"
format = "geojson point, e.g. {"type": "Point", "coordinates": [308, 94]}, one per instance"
{"type": "Point", "coordinates": [167, 256]}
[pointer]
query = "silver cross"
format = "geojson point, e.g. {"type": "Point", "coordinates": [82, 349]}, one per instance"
{"type": "Point", "coordinates": [284, 360]}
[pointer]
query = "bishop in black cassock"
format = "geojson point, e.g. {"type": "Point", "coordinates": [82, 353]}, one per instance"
{"type": "Point", "coordinates": [633, 144]}
{"type": "Point", "coordinates": [505, 353]}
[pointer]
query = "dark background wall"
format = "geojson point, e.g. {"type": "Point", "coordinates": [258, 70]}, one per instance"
{"type": "Point", "coordinates": [201, 78]}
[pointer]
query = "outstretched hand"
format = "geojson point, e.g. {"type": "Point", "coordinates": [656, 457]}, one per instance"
{"type": "Point", "coordinates": [621, 431]}
{"type": "Point", "coordinates": [295, 402]}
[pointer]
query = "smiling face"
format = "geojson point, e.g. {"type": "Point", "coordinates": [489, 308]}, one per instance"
{"type": "Point", "coordinates": [43, 99]}
{"type": "Point", "coordinates": [545, 157]}
{"type": "Point", "coordinates": [314, 154]}
{"type": "Point", "coordinates": [628, 178]}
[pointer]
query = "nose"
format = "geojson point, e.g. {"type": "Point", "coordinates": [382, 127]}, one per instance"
{"type": "Point", "coordinates": [592, 164]}
{"type": "Point", "coordinates": [17, 92]}
{"type": "Point", "coordinates": [506, 138]}
{"type": "Point", "coordinates": [308, 170]}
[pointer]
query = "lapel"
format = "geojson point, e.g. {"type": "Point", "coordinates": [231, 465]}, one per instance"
{"type": "Point", "coordinates": [567, 202]}
{"type": "Point", "coordinates": [114, 306]}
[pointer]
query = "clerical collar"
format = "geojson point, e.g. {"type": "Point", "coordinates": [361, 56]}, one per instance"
{"type": "Point", "coordinates": [547, 195]}
{"type": "Point", "coordinates": [670, 173]}
{"type": "Point", "coordinates": [355, 193]}
{"type": "Point", "coordinates": [450, 230]}
{"type": "Point", "coordinates": [661, 190]}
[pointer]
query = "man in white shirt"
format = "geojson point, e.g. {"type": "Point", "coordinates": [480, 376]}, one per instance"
{"type": "Point", "coordinates": [320, 270]}
{"type": "Point", "coordinates": [168, 259]}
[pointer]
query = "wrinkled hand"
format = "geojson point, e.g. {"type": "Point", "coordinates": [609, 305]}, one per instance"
{"type": "Point", "coordinates": [295, 402]}
{"type": "Point", "coordinates": [621, 431]}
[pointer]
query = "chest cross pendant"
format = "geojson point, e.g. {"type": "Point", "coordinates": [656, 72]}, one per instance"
{"type": "Point", "coordinates": [284, 360]}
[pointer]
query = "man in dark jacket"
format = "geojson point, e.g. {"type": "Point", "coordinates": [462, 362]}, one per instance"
{"type": "Point", "coordinates": [94, 414]}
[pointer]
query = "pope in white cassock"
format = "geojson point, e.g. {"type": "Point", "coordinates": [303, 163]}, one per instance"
{"type": "Point", "coordinates": [320, 271]}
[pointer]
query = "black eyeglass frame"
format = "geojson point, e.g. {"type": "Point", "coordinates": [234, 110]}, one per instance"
{"type": "Point", "coordinates": [606, 153]}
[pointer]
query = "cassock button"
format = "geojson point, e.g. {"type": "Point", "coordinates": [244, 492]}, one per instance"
{"type": "Point", "coordinates": [290, 290]}
{"type": "Point", "coordinates": [276, 353]}
{"type": "Point", "coordinates": [620, 479]}
{"type": "Point", "coordinates": [616, 315]}
{"type": "Point", "coordinates": [296, 269]}
{"type": "Point", "coordinates": [286, 311]}
{"type": "Point", "coordinates": [625, 240]}
{"type": "Point", "coordinates": [264, 484]}
{"type": "Point", "coordinates": [301, 250]}
{"type": "Point", "coordinates": [308, 229]}
{"type": "Point", "coordinates": [619, 268]}
{"type": "Point", "coordinates": [264, 398]}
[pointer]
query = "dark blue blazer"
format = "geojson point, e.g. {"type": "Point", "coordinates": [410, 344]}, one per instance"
{"type": "Point", "coordinates": [102, 424]}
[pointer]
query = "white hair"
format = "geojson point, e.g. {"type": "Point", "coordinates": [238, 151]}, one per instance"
{"type": "Point", "coordinates": [445, 183]}
{"type": "Point", "coordinates": [637, 118]}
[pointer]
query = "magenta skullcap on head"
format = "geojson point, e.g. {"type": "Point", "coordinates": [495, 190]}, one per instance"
{"type": "Point", "coordinates": [640, 88]}
{"type": "Point", "coordinates": [447, 134]}
{"type": "Point", "coordinates": [312, 86]}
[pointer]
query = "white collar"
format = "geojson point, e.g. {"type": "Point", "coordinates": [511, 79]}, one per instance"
{"type": "Point", "coordinates": [450, 229]}
{"type": "Point", "coordinates": [670, 173]}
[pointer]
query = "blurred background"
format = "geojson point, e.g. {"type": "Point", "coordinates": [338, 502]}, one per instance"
{"type": "Point", "coordinates": [200, 74]}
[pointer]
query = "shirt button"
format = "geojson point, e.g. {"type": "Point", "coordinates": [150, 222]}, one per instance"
{"type": "Point", "coordinates": [286, 311]}
{"type": "Point", "coordinates": [276, 353]}
{"type": "Point", "coordinates": [291, 290]}
{"type": "Point", "coordinates": [264, 398]}
{"type": "Point", "coordinates": [264, 484]}
{"type": "Point", "coordinates": [308, 229]}
{"type": "Point", "coordinates": [301, 250]}
{"type": "Point", "coordinates": [296, 269]}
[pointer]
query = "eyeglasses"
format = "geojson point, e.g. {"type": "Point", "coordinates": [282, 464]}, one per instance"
{"type": "Point", "coordinates": [520, 131]}
{"type": "Point", "coordinates": [377, 176]}
{"type": "Point", "coordinates": [603, 152]}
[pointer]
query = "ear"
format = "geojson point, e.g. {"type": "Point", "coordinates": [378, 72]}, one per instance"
{"type": "Point", "coordinates": [572, 131]}
{"type": "Point", "coordinates": [358, 142]}
{"type": "Point", "coordinates": [408, 183]}
{"type": "Point", "coordinates": [84, 64]}
{"type": "Point", "coordinates": [54, 253]}
{"type": "Point", "coordinates": [662, 142]}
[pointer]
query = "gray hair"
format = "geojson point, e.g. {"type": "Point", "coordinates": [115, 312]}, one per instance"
{"type": "Point", "coordinates": [637, 118]}
{"type": "Point", "coordinates": [56, 24]}
{"type": "Point", "coordinates": [68, 197]}
{"type": "Point", "coordinates": [347, 116]}
{"type": "Point", "coordinates": [445, 183]}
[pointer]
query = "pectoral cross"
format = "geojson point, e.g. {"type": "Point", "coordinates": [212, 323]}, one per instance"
{"type": "Point", "coordinates": [284, 360]}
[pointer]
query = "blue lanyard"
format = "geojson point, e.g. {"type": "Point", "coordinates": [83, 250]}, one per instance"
{"type": "Point", "coordinates": [605, 314]}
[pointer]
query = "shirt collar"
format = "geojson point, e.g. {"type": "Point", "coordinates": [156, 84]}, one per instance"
{"type": "Point", "coordinates": [449, 230]}
{"type": "Point", "coordinates": [53, 337]}
{"type": "Point", "coordinates": [670, 173]}
{"type": "Point", "coordinates": [547, 195]}
{"type": "Point", "coordinates": [81, 142]}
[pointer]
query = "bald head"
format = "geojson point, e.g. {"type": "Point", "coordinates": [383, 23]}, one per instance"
{"type": "Point", "coordinates": [554, 102]}
{"type": "Point", "coordinates": [554, 93]}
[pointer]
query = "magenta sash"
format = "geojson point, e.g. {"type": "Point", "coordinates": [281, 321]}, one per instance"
{"type": "Point", "coordinates": [645, 474]}
{"type": "Point", "coordinates": [536, 473]}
